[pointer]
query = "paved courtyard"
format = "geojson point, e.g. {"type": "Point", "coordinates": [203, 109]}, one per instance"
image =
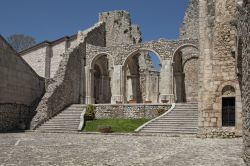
{"type": "Point", "coordinates": [80, 149]}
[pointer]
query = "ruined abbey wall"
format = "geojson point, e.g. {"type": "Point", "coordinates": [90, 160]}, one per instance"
{"type": "Point", "coordinates": [66, 87]}
{"type": "Point", "coordinates": [119, 29]}
{"type": "Point", "coordinates": [20, 88]}
{"type": "Point", "coordinates": [217, 78]}
{"type": "Point", "coordinates": [243, 69]}
{"type": "Point", "coordinates": [190, 30]}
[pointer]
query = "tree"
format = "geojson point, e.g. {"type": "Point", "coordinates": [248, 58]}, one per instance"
{"type": "Point", "coordinates": [21, 42]}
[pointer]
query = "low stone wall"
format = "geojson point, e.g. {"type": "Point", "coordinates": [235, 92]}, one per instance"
{"type": "Point", "coordinates": [14, 116]}
{"type": "Point", "coordinates": [225, 132]}
{"type": "Point", "coordinates": [129, 111]}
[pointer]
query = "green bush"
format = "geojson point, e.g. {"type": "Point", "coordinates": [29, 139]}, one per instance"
{"type": "Point", "coordinates": [160, 111]}
{"type": "Point", "coordinates": [90, 112]}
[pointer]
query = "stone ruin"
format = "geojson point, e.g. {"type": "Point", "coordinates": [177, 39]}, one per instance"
{"type": "Point", "coordinates": [109, 63]}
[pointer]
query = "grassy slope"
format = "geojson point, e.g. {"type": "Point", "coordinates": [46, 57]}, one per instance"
{"type": "Point", "coordinates": [118, 125]}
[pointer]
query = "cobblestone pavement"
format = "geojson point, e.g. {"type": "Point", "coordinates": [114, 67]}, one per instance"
{"type": "Point", "coordinates": [87, 149]}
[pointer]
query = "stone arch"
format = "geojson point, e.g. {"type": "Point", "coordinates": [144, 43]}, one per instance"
{"type": "Point", "coordinates": [137, 81]}
{"type": "Point", "coordinates": [96, 57]}
{"type": "Point", "coordinates": [137, 51]}
{"type": "Point", "coordinates": [180, 47]}
{"type": "Point", "coordinates": [100, 78]}
{"type": "Point", "coordinates": [185, 74]}
{"type": "Point", "coordinates": [228, 89]}
{"type": "Point", "coordinates": [227, 84]}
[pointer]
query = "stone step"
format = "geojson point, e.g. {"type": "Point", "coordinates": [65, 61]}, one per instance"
{"type": "Point", "coordinates": [178, 118]}
{"type": "Point", "coordinates": [188, 110]}
{"type": "Point", "coordinates": [175, 120]}
{"type": "Point", "coordinates": [173, 129]}
{"type": "Point", "coordinates": [64, 124]}
{"type": "Point", "coordinates": [173, 124]}
{"type": "Point", "coordinates": [67, 120]}
{"type": "Point", "coordinates": [169, 132]}
{"type": "Point", "coordinates": [59, 127]}
{"type": "Point", "coordinates": [183, 119]}
{"type": "Point", "coordinates": [69, 115]}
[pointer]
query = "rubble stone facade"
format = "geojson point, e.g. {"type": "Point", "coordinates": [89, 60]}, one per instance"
{"type": "Point", "coordinates": [218, 82]}
{"type": "Point", "coordinates": [242, 23]}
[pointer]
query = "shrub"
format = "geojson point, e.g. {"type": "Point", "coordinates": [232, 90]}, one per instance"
{"type": "Point", "coordinates": [160, 111]}
{"type": "Point", "coordinates": [104, 129]}
{"type": "Point", "coordinates": [90, 112]}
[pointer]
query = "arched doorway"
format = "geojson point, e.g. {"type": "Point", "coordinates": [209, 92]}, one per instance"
{"type": "Point", "coordinates": [142, 75]}
{"type": "Point", "coordinates": [101, 80]}
{"type": "Point", "coordinates": [228, 106]}
{"type": "Point", "coordinates": [185, 74]}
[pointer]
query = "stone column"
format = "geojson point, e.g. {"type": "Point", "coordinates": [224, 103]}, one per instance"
{"type": "Point", "coordinates": [166, 87]}
{"type": "Point", "coordinates": [179, 80]}
{"type": "Point", "coordinates": [117, 85]}
{"type": "Point", "coordinates": [89, 85]}
{"type": "Point", "coordinates": [83, 84]}
{"type": "Point", "coordinates": [147, 88]}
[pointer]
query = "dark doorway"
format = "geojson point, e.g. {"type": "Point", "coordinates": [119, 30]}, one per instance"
{"type": "Point", "coordinates": [228, 111]}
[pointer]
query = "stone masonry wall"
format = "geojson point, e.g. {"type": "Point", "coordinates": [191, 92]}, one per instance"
{"type": "Point", "coordinates": [36, 59]}
{"type": "Point", "coordinates": [20, 88]}
{"type": "Point", "coordinates": [147, 111]}
{"type": "Point", "coordinates": [66, 87]}
{"type": "Point", "coordinates": [15, 116]}
{"type": "Point", "coordinates": [119, 29]}
{"type": "Point", "coordinates": [217, 63]}
{"type": "Point", "coordinates": [243, 62]}
{"type": "Point", "coordinates": [190, 30]}
{"type": "Point", "coordinates": [190, 25]}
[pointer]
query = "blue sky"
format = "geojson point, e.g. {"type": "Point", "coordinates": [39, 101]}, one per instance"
{"type": "Point", "coordinates": [52, 19]}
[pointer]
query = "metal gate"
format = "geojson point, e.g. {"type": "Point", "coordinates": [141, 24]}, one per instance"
{"type": "Point", "coordinates": [228, 111]}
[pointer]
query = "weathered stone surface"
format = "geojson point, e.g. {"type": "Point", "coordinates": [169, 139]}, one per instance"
{"type": "Point", "coordinates": [119, 29]}
{"type": "Point", "coordinates": [217, 63]}
{"type": "Point", "coordinates": [117, 150]}
{"type": "Point", "coordinates": [20, 87]}
{"type": "Point", "coordinates": [243, 69]}
{"type": "Point", "coordinates": [107, 111]}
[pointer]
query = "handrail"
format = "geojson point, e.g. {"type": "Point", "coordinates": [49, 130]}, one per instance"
{"type": "Point", "coordinates": [142, 126]}
{"type": "Point", "coordinates": [81, 120]}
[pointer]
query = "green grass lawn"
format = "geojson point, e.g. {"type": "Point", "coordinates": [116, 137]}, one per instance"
{"type": "Point", "coordinates": [118, 125]}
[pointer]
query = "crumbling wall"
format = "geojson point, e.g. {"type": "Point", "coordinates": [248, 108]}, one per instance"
{"type": "Point", "coordinates": [243, 64]}
{"type": "Point", "coordinates": [20, 88]}
{"type": "Point", "coordinates": [66, 87]}
{"type": "Point", "coordinates": [190, 30]}
{"type": "Point", "coordinates": [119, 29]}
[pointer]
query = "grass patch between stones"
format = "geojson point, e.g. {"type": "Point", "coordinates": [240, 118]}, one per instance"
{"type": "Point", "coordinates": [117, 125]}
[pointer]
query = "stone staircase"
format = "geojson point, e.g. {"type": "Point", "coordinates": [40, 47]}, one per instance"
{"type": "Point", "coordinates": [183, 119]}
{"type": "Point", "coordinates": [67, 120]}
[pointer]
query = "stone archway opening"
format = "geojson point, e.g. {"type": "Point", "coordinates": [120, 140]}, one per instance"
{"type": "Point", "coordinates": [142, 75]}
{"type": "Point", "coordinates": [228, 106]}
{"type": "Point", "coordinates": [101, 80]}
{"type": "Point", "coordinates": [185, 74]}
